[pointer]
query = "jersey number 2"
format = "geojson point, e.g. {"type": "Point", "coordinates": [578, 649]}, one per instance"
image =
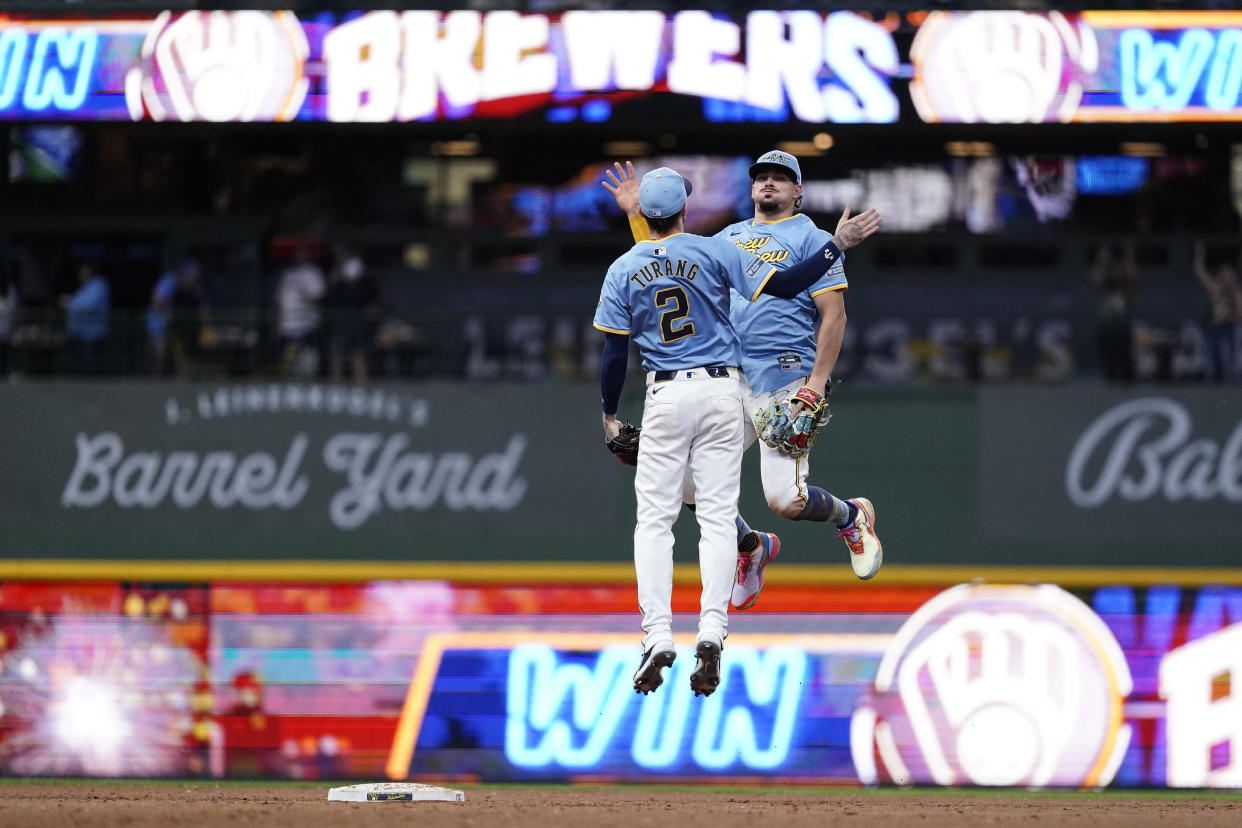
{"type": "Point", "coordinates": [680, 310]}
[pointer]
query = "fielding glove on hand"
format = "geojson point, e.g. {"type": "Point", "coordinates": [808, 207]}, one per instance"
{"type": "Point", "coordinates": [792, 433]}
{"type": "Point", "coordinates": [625, 445]}
{"type": "Point", "coordinates": [772, 423]}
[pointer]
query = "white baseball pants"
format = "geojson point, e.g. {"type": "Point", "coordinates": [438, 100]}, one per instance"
{"type": "Point", "coordinates": [692, 430]}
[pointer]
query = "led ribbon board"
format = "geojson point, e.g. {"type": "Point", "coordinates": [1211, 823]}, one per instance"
{"type": "Point", "coordinates": [978, 684]}
{"type": "Point", "coordinates": [768, 66]}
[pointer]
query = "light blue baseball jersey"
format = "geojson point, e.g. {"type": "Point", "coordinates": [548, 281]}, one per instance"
{"type": "Point", "coordinates": [672, 297]}
{"type": "Point", "coordinates": [778, 335]}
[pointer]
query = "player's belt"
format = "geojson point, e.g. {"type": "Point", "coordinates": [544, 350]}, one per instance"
{"type": "Point", "coordinates": [717, 371]}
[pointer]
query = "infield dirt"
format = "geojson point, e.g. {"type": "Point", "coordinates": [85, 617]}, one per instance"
{"type": "Point", "coordinates": [107, 804]}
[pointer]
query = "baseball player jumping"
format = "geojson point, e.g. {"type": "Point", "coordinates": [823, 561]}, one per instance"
{"type": "Point", "coordinates": [671, 294]}
{"type": "Point", "coordinates": [780, 339]}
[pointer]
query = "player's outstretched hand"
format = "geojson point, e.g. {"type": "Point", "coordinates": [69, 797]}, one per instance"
{"type": "Point", "coordinates": [623, 184]}
{"type": "Point", "coordinates": [852, 231]}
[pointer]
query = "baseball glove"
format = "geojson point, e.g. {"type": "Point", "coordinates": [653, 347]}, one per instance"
{"type": "Point", "coordinates": [625, 445]}
{"type": "Point", "coordinates": [793, 433]}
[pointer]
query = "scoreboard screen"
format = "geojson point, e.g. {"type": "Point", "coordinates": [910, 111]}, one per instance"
{"type": "Point", "coordinates": [625, 66]}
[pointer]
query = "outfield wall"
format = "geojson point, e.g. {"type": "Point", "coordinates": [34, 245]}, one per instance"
{"type": "Point", "coordinates": [408, 476]}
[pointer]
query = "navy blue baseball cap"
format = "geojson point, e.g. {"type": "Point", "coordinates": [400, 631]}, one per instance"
{"type": "Point", "coordinates": [662, 193]}
{"type": "Point", "coordinates": [776, 158]}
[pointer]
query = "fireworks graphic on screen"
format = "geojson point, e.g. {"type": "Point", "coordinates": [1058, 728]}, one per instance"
{"type": "Point", "coordinates": [95, 696]}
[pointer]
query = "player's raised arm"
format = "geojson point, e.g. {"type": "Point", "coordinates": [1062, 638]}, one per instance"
{"type": "Point", "coordinates": [623, 184]}
{"type": "Point", "coordinates": [851, 232]}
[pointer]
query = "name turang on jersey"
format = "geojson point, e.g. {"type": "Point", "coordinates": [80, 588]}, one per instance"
{"type": "Point", "coordinates": [671, 294]}
{"type": "Point", "coordinates": [651, 271]}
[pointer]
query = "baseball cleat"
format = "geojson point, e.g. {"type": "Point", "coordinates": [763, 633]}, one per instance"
{"type": "Point", "coordinates": [866, 552]}
{"type": "Point", "coordinates": [748, 582]}
{"type": "Point", "coordinates": [649, 675]}
{"type": "Point", "coordinates": [706, 676]}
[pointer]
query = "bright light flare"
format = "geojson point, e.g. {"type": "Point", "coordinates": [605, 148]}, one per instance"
{"type": "Point", "coordinates": [96, 696]}
{"type": "Point", "coordinates": [87, 718]}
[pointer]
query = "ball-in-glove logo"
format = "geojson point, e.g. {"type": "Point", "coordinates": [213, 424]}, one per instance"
{"type": "Point", "coordinates": [220, 66]}
{"type": "Point", "coordinates": [996, 685]}
{"type": "Point", "coordinates": [1000, 66]}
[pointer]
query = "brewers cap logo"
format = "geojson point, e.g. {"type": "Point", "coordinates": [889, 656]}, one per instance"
{"type": "Point", "coordinates": [779, 159]}
{"type": "Point", "coordinates": [996, 685]}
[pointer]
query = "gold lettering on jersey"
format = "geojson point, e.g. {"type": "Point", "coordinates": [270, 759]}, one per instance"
{"type": "Point", "coordinates": [753, 245]}
{"type": "Point", "coordinates": [648, 273]}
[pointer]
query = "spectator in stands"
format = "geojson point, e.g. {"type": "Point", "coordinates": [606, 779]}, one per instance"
{"type": "Point", "coordinates": [298, 294]}
{"type": "Point", "coordinates": [8, 316]}
{"type": "Point", "coordinates": [86, 319]}
{"type": "Point", "coordinates": [189, 315]}
{"type": "Point", "coordinates": [353, 308]}
{"type": "Point", "coordinates": [1224, 313]}
{"type": "Point", "coordinates": [1115, 275]}
{"type": "Point", "coordinates": [157, 319]}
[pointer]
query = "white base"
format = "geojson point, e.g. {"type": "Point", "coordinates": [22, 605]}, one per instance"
{"type": "Point", "coordinates": [394, 792]}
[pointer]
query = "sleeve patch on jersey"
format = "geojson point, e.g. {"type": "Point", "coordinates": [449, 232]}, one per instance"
{"type": "Point", "coordinates": [755, 267]}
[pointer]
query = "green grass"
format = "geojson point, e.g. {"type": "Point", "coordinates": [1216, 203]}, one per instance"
{"type": "Point", "coordinates": [735, 790]}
